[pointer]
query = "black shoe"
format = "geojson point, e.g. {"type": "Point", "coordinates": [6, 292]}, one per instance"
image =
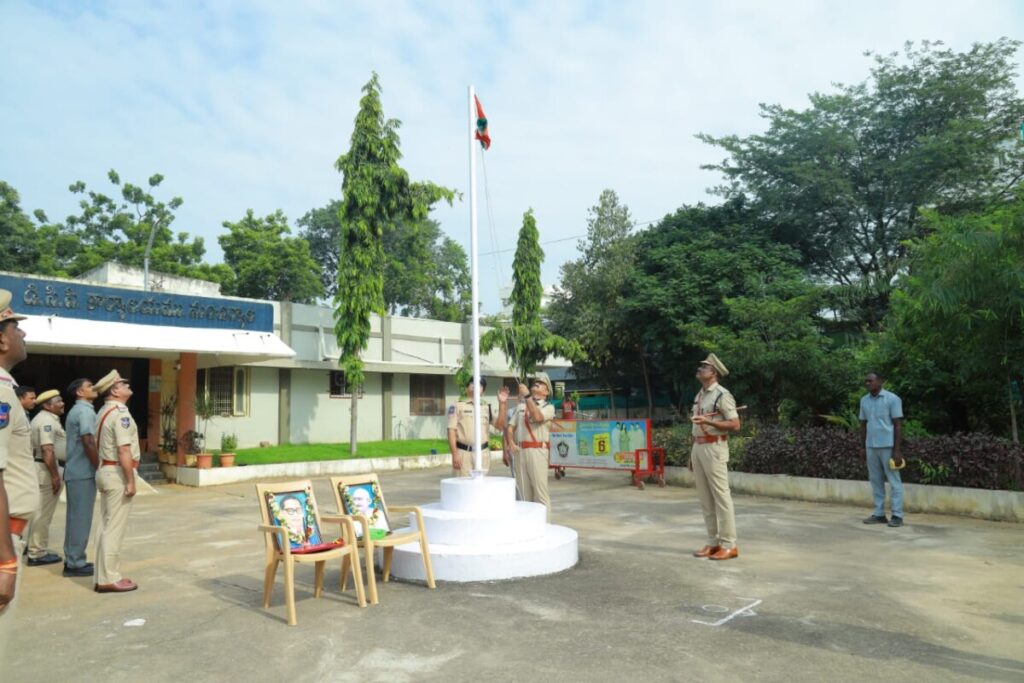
{"type": "Point", "coordinates": [87, 570]}
{"type": "Point", "coordinates": [48, 558]}
{"type": "Point", "coordinates": [873, 519]}
{"type": "Point", "coordinates": [896, 522]}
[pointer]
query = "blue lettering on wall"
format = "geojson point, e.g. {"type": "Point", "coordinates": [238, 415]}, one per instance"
{"type": "Point", "coordinates": [34, 296]}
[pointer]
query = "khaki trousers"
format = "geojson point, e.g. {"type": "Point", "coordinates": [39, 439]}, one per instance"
{"type": "Point", "coordinates": [114, 509]}
{"type": "Point", "coordinates": [467, 462]}
{"type": "Point", "coordinates": [531, 472]}
{"type": "Point", "coordinates": [39, 536]}
{"type": "Point", "coordinates": [711, 473]}
{"type": "Point", "coordinates": [7, 616]}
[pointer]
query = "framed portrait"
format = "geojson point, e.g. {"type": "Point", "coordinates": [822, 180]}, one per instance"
{"type": "Point", "coordinates": [365, 499]}
{"type": "Point", "coordinates": [295, 511]}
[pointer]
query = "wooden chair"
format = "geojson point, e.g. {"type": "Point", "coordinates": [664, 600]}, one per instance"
{"type": "Point", "coordinates": [344, 488]}
{"type": "Point", "coordinates": [294, 501]}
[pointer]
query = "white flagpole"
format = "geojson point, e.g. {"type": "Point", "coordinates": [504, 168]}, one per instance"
{"type": "Point", "coordinates": [475, 279]}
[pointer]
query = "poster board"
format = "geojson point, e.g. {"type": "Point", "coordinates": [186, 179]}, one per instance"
{"type": "Point", "coordinates": [600, 444]}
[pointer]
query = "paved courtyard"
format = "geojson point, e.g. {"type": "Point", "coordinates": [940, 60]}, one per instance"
{"type": "Point", "coordinates": [814, 596]}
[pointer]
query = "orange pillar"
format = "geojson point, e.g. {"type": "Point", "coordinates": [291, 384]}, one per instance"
{"type": "Point", "coordinates": [153, 435]}
{"type": "Point", "coordinates": [186, 400]}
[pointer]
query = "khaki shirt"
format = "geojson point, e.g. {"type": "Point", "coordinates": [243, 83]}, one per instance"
{"type": "Point", "coordinates": [541, 432]}
{"type": "Point", "coordinates": [714, 399]}
{"type": "Point", "coordinates": [117, 428]}
{"type": "Point", "coordinates": [460, 418]}
{"type": "Point", "coordinates": [21, 479]}
{"type": "Point", "coordinates": [47, 431]}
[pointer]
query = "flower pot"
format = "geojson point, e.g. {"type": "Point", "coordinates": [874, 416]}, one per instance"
{"type": "Point", "coordinates": [164, 456]}
{"type": "Point", "coordinates": [186, 460]}
{"type": "Point", "coordinates": [227, 459]}
{"type": "Point", "coordinates": [204, 461]}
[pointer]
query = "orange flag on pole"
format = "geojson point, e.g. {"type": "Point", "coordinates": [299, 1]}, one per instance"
{"type": "Point", "coordinates": [481, 125]}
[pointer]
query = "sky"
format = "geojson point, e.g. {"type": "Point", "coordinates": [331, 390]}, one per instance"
{"type": "Point", "coordinates": [247, 105]}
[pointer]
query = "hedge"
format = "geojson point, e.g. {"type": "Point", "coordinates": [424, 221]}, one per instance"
{"type": "Point", "coordinates": [973, 460]}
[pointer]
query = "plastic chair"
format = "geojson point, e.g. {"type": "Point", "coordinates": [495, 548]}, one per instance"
{"type": "Point", "coordinates": [292, 531]}
{"type": "Point", "coordinates": [372, 516]}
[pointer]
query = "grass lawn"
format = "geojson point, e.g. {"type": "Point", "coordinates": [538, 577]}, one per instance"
{"type": "Point", "coordinates": [337, 451]}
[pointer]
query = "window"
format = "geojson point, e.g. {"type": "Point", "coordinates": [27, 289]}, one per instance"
{"type": "Point", "coordinates": [228, 387]}
{"type": "Point", "coordinates": [339, 386]}
{"type": "Point", "coordinates": [426, 394]}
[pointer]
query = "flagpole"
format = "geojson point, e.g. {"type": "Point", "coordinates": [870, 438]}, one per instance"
{"type": "Point", "coordinates": [475, 280]}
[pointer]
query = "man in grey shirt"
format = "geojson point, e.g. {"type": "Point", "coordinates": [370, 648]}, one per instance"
{"type": "Point", "coordinates": [881, 431]}
{"type": "Point", "coordinates": [80, 477]}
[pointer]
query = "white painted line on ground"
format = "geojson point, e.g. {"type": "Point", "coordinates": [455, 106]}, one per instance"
{"type": "Point", "coordinates": [743, 611]}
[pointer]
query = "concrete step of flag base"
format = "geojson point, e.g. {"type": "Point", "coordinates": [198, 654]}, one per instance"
{"type": "Point", "coordinates": [555, 551]}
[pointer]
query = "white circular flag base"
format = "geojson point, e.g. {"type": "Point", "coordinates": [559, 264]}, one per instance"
{"type": "Point", "coordinates": [479, 532]}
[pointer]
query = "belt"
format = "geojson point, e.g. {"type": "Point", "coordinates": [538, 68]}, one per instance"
{"type": "Point", "coordinates": [533, 444]}
{"type": "Point", "coordinates": [17, 525]}
{"type": "Point", "coordinates": [135, 463]}
{"type": "Point", "coordinates": [39, 460]}
{"type": "Point", "coordinates": [711, 438]}
{"type": "Point", "coordinates": [466, 447]}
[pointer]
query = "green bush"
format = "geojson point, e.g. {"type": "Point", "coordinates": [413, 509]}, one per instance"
{"type": "Point", "coordinates": [974, 460]}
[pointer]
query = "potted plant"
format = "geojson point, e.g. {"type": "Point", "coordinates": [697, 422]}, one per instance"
{"type": "Point", "coordinates": [192, 442]}
{"type": "Point", "coordinates": [228, 444]}
{"type": "Point", "coordinates": [205, 408]}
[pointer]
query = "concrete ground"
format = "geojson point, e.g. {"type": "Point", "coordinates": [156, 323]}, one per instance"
{"type": "Point", "coordinates": [814, 596]}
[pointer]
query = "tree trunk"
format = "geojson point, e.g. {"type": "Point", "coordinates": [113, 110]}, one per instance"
{"type": "Point", "coordinates": [647, 385]}
{"type": "Point", "coordinates": [353, 433]}
{"type": "Point", "coordinates": [1013, 410]}
{"type": "Point", "coordinates": [611, 402]}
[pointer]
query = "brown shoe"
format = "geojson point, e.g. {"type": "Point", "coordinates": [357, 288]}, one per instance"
{"type": "Point", "coordinates": [122, 586]}
{"type": "Point", "coordinates": [725, 554]}
{"type": "Point", "coordinates": [707, 551]}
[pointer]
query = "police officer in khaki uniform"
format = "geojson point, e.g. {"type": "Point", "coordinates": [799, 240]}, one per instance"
{"type": "Point", "coordinates": [118, 441]}
{"type": "Point", "coordinates": [19, 493]}
{"type": "Point", "coordinates": [530, 432]}
{"type": "Point", "coordinates": [714, 416]}
{"type": "Point", "coordinates": [49, 445]}
{"type": "Point", "coordinates": [460, 428]}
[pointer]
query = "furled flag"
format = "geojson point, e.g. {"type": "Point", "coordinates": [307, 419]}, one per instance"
{"type": "Point", "coordinates": [481, 125]}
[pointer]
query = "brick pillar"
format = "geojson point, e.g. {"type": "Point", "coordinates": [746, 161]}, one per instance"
{"type": "Point", "coordinates": [186, 400]}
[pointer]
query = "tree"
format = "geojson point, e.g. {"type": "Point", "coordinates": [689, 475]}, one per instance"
{"type": "Point", "coordinates": [526, 343]}
{"type": "Point", "coordinates": [119, 230]}
{"type": "Point", "coordinates": [587, 307]}
{"type": "Point", "coordinates": [843, 181]}
{"type": "Point", "coordinates": [321, 228]}
{"type": "Point", "coordinates": [957, 324]}
{"type": "Point", "coordinates": [266, 262]}
{"type": "Point", "coordinates": [377, 195]}
{"type": "Point", "coordinates": [425, 272]}
{"type": "Point", "coordinates": [22, 246]}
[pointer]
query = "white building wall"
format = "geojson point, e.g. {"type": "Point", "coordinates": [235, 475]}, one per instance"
{"type": "Point", "coordinates": [261, 422]}
{"type": "Point", "coordinates": [318, 418]}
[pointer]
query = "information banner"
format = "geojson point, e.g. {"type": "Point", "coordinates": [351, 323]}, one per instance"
{"type": "Point", "coordinates": [604, 444]}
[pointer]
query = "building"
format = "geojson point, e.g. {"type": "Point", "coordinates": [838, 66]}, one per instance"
{"type": "Point", "coordinates": [270, 367]}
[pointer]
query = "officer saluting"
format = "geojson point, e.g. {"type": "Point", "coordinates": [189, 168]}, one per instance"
{"type": "Point", "coordinates": [118, 438]}
{"type": "Point", "coordinates": [19, 492]}
{"type": "Point", "coordinates": [530, 431]}
{"type": "Point", "coordinates": [49, 445]}
{"type": "Point", "coordinates": [460, 428]}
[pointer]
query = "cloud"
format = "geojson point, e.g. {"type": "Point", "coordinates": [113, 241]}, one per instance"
{"type": "Point", "coordinates": [248, 105]}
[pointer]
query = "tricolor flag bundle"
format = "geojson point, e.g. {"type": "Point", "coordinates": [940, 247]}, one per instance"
{"type": "Point", "coordinates": [481, 125]}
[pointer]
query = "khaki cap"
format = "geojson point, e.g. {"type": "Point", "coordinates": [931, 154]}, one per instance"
{"type": "Point", "coordinates": [108, 380]}
{"type": "Point", "coordinates": [6, 312]}
{"type": "Point", "coordinates": [543, 377]}
{"type": "Point", "coordinates": [718, 365]}
{"type": "Point", "coordinates": [46, 396]}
